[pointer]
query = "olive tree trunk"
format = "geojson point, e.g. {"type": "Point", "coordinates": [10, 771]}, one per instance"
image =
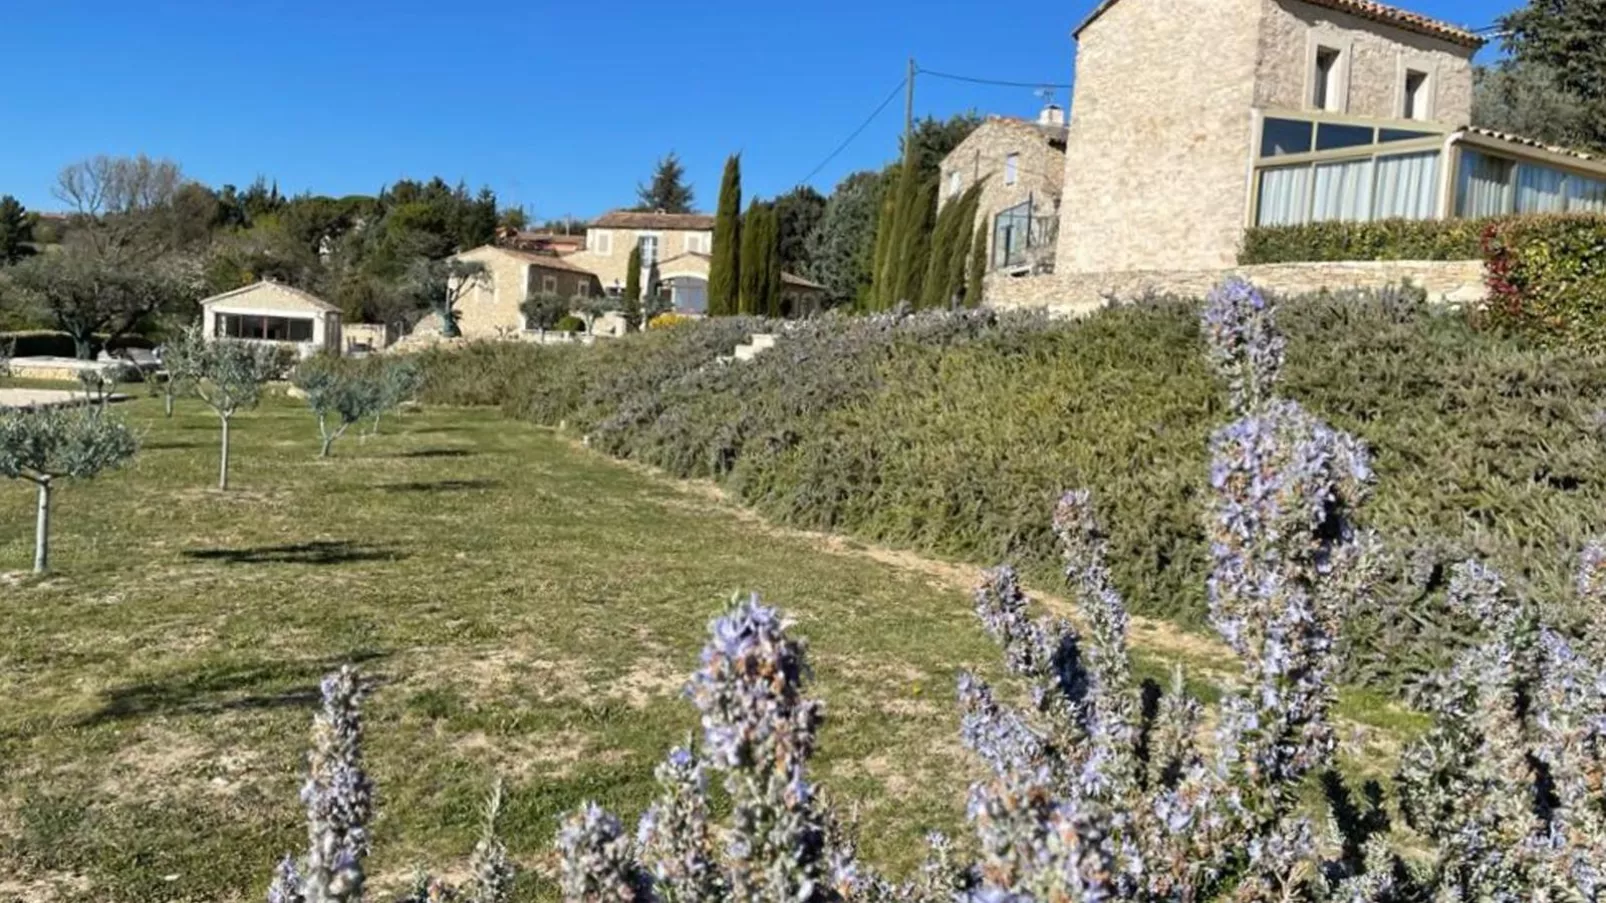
{"type": "Point", "coordinates": [41, 539]}
{"type": "Point", "coordinates": [223, 462]}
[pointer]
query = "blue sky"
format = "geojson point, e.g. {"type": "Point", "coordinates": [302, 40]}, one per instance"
{"type": "Point", "coordinates": [561, 107]}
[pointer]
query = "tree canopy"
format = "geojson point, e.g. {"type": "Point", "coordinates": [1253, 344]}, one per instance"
{"type": "Point", "coordinates": [16, 231]}
{"type": "Point", "coordinates": [1551, 85]}
{"type": "Point", "coordinates": [668, 190]}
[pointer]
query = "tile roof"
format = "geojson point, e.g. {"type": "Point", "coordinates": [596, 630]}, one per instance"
{"type": "Point", "coordinates": [1366, 9]}
{"type": "Point", "coordinates": [308, 297]}
{"type": "Point", "coordinates": [1534, 143]}
{"type": "Point", "coordinates": [630, 219]}
{"type": "Point", "coordinates": [547, 261]}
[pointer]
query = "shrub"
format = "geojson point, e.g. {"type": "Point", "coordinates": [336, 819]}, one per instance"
{"type": "Point", "coordinates": [1547, 278]}
{"type": "Point", "coordinates": [1399, 239]}
{"type": "Point", "coordinates": [951, 435]}
{"type": "Point", "coordinates": [668, 320]}
{"type": "Point", "coordinates": [569, 323]}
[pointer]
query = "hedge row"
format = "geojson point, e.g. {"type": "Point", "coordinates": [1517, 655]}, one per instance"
{"type": "Point", "coordinates": [1547, 278]}
{"type": "Point", "coordinates": [1397, 239]}
{"type": "Point", "coordinates": [954, 434]}
{"type": "Point", "coordinates": [42, 343]}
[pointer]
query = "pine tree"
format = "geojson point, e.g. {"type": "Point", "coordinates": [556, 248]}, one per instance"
{"type": "Point", "coordinates": [667, 191]}
{"type": "Point", "coordinates": [978, 268]}
{"type": "Point", "coordinates": [632, 297]}
{"type": "Point", "coordinates": [725, 270]}
{"type": "Point", "coordinates": [16, 231]}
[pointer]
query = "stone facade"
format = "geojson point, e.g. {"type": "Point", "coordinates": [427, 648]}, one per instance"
{"type": "Point", "coordinates": [610, 239]}
{"type": "Point", "coordinates": [1039, 149]}
{"type": "Point", "coordinates": [1159, 159]}
{"type": "Point", "coordinates": [1446, 282]}
{"type": "Point", "coordinates": [1376, 58]}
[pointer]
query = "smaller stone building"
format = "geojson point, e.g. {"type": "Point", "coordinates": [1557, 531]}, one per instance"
{"type": "Point", "coordinates": [1020, 165]}
{"type": "Point", "coordinates": [274, 313]}
{"type": "Point", "coordinates": [493, 306]}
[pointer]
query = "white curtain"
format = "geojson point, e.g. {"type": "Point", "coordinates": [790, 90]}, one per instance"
{"type": "Point", "coordinates": [1587, 195]}
{"type": "Point", "coordinates": [1485, 186]}
{"type": "Point", "coordinates": [1284, 196]}
{"type": "Point", "coordinates": [1343, 191]}
{"type": "Point", "coordinates": [1540, 189]}
{"type": "Point", "coordinates": [1407, 186]}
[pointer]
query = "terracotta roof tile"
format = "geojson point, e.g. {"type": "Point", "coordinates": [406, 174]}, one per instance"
{"type": "Point", "coordinates": [630, 219]}
{"type": "Point", "coordinates": [1365, 9]}
{"type": "Point", "coordinates": [1531, 142]}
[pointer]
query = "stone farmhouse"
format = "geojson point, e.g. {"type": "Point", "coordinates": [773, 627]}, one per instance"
{"type": "Point", "coordinates": [1194, 120]}
{"type": "Point", "coordinates": [1021, 167]}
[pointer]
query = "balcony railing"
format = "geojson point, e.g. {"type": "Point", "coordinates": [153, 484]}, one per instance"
{"type": "Point", "coordinates": [1024, 240]}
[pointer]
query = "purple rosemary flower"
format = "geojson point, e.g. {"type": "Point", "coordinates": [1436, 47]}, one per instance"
{"type": "Point", "coordinates": [1240, 331]}
{"type": "Point", "coordinates": [675, 837]}
{"type": "Point", "coordinates": [337, 794]}
{"type": "Point", "coordinates": [597, 863]}
{"type": "Point", "coordinates": [286, 886]}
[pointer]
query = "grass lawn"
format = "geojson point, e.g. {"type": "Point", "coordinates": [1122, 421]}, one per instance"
{"type": "Point", "coordinates": [528, 610]}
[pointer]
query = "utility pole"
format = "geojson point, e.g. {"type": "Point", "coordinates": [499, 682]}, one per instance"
{"type": "Point", "coordinates": [909, 110]}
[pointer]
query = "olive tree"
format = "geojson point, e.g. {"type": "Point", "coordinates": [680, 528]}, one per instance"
{"type": "Point", "coordinates": [438, 286]}
{"type": "Point", "coordinates": [44, 446]}
{"type": "Point", "coordinates": [227, 375]}
{"type": "Point", "coordinates": [399, 381]}
{"type": "Point", "coordinates": [85, 294]}
{"type": "Point", "coordinates": [339, 395]}
{"type": "Point", "coordinates": [543, 310]}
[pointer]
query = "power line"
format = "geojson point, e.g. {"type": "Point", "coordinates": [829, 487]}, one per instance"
{"type": "Point", "coordinates": [891, 95]}
{"type": "Point", "coordinates": [992, 81]}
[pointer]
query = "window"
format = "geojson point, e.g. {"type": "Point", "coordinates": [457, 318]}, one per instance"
{"type": "Point", "coordinates": [1011, 169]}
{"type": "Point", "coordinates": [696, 243]}
{"type": "Point", "coordinates": [1418, 100]}
{"type": "Point", "coordinates": [1281, 137]}
{"type": "Point", "coordinates": [1541, 189]}
{"type": "Point", "coordinates": [1399, 186]}
{"type": "Point", "coordinates": [582, 289]}
{"type": "Point", "coordinates": [1333, 136]}
{"type": "Point", "coordinates": [1327, 81]}
{"type": "Point", "coordinates": [955, 184]}
{"type": "Point", "coordinates": [600, 241]}
{"type": "Point", "coordinates": [649, 249]}
{"type": "Point", "coordinates": [267, 329]}
{"type": "Point", "coordinates": [1586, 195]}
{"type": "Point", "coordinates": [549, 285]}
{"type": "Point", "coordinates": [1387, 136]}
{"type": "Point", "coordinates": [1011, 230]}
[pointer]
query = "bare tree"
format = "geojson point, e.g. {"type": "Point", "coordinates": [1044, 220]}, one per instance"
{"type": "Point", "coordinates": [126, 205]}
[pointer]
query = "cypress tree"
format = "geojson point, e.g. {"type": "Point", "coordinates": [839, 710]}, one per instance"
{"type": "Point", "coordinates": [934, 290]}
{"type": "Point", "coordinates": [750, 291]}
{"type": "Point", "coordinates": [905, 209]}
{"type": "Point", "coordinates": [632, 298]}
{"type": "Point", "coordinates": [914, 233]}
{"type": "Point", "coordinates": [885, 226]}
{"type": "Point", "coordinates": [978, 267]}
{"type": "Point", "coordinates": [724, 271]}
{"type": "Point", "coordinates": [772, 262]}
{"type": "Point", "coordinates": [964, 236]}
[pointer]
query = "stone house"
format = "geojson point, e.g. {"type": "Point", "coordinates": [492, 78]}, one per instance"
{"type": "Point", "coordinates": [273, 313]}
{"type": "Point", "coordinates": [1020, 165]}
{"type": "Point", "coordinates": [683, 287]}
{"type": "Point", "coordinates": [492, 307]}
{"type": "Point", "coordinates": [661, 236]}
{"type": "Point", "coordinates": [1194, 120]}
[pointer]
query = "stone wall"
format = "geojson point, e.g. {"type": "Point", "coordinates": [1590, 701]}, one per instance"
{"type": "Point", "coordinates": [1446, 282]}
{"type": "Point", "coordinates": [1377, 56]}
{"type": "Point", "coordinates": [1156, 163]}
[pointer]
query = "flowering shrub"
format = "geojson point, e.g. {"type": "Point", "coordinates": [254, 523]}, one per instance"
{"type": "Point", "coordinates": [1547, 277]}
{"type": "Point", "coordinates": [668, 320]}
{"type": "Point", "coordinates": [339, 800]}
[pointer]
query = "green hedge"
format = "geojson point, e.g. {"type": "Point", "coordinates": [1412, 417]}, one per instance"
{"type": "Point", "coordinates": [1399, 239]}
{"type": "Point", "coordinates": [1547, 278]}
{"type": "Point", "coordinates": [954, 435]}
{"type": "Point", "coordinates": [44, 343]}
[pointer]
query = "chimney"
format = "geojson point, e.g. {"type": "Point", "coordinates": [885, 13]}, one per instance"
{"type": "Point", "coordinates": [1051, 115]}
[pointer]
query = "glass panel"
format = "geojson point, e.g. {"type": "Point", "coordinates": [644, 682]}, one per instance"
{"type": "Point", "coordinates": [1280, 137]}
{"type": "Point", "coordinates": [1343, 191]}
{"type": "Point", "coordinates": [1011, 230]}
{"type": "Point", "coordinates": [1484, 187]}
{"type": "Point", "coordinates": [1333, 136]}
{"type": "Point", "coordinates": [1389, 135]}
{"type": "Point", "coordinates": [1586, 195]}
{"type": "Point", "coordinates": [300, 330]}
{"type": "Point", "coordinates": [1284, 196]}
{"type": "Point", "coordinates": [1407, 187]}
{"type": "Point", "coordinates": [1540, 189]}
